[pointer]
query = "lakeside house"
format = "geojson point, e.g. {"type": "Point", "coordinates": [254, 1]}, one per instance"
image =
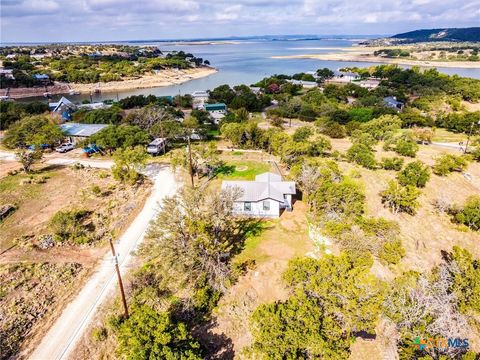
{"type": "Point", "coordinates": [369, 84]}
{"type": "Point", "coordinates": [199, 98]}
{"type": "Point", "coordinates": [306, 84]}
{"type": "Point", "coordinates": [266, 196]}
{"type": "Point", "coordinates": [216, 111]}
{"type": "Point", "coordinates": [77, 132]}
{"type": "Point", "coordinates": [64, 107]}
{"type": "Point", "coordinates": [344, 76]}
{"type": "Point", "coordinates": [393, 103]}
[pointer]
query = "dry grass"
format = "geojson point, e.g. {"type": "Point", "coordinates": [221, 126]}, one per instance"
{"type": "Point", "coordinates": [282, 240]}
{"type": "Point", "coordinates": [428, 232]}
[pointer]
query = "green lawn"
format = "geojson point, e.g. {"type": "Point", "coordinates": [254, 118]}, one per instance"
{"type": "Point", "coordinates": [242, 170]}
{"type": "Point", "coordinates": [442, 135]}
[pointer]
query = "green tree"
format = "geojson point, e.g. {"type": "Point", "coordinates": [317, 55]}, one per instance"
{"type": "Point", "coordinates": [362, 155]}
{"type": "Point", "coordinates": [195, 235]}
{"type": "Point", "coordinates": [392, 163]}
{"type": "Point", "coordinates": [28, 157]}
{"type": "Point", "coordinates": [308, 325]}
{"type": "Point", "coordinates": [148, 334]}
{"type": "Point", "coordinates": [127, 163]}
{"type": "Point", "coordinates": [415, 173]}
{"type": "Point", "coordinates": [469, 213]}
{"type": "Point", "coordinates": [120, 137]}
{"type": "Point", "coordinates": [448, 163]}
{"type": "Point", "coordinates": [380, 128]}
{"type": "Point", "coordinates": [401, 198]}
{"type": "Point", "coordinates": [33, 130]}
{"type": "Point", "coordinates": [302, 133]}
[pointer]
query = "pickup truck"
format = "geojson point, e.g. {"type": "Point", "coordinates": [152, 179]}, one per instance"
{"type": "Point", "coordinates": [65, 147]}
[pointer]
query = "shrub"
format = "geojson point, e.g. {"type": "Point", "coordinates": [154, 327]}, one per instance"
{"type": "Point", "coordinates": [392, 163]}
{"type": "Point", "coordinates": [447, 163]}
{"type": "Point", "coordinates": [382, 126]}
{"type": "Point", "coordinates": [302, 133]}
{"type": "Point", "coordinates": [96, 190]}
{"type": "Point", "coordinates": [392, 252]}
{"type": "Point", "coordinates": [332, 129]}
{"type": "Point", "coordinates": [401, 198]}
{"type": "Point", "coordinates": [406, 146]}
{"type": "Point", "coordinates": [148, 334]}
{"type": "Point", "coordinates": [100, 334]}
{"type": "Point", "coordinates": [416, 174]}
{"type": "Point", "coordinates": [68, 225]}
{"type": "Point", "coordinates": [359, 137]}
{"type": "Point", "coordinates": [362, 155]}
{"type": "Point", "coordinates": [337, 200]}
{"type": "Point", "coordinates": [469, 213]}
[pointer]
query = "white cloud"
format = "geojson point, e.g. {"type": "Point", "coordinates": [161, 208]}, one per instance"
{"type": "Point", "coordinates": [102, 19]}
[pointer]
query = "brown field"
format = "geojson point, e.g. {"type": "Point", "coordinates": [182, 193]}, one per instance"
{"type": "Point", "coordinates": [36, 284]}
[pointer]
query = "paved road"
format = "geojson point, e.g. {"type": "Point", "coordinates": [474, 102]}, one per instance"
{"type": "Point", "coordinates": [62, 337]}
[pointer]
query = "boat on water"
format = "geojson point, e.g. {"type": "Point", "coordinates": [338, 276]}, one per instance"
{"type": "Point", "coordinates": [74, 92]}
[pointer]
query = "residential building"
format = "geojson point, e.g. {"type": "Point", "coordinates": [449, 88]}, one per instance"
{"type": "Point", "coordinates": [77, 132]}
{"type": "Point", "coordinates": [64, 107]}
{"type": "Point", "coordinates": [369, 83]}
{"type": "Point", "coordinates": [267, 196]}
{"type": "Point", "coordinates": [344, 76]}
{"type": "Point", "coordinates": [199, 98]}
{"type": "Point", "coordinates": [7, 73]}
{"type": "Point", "coordinates": [306, 84]}
{"type": "Point", "coordinates": [215, 107]}
{"type": "Point", "coordinates": [393, 103]}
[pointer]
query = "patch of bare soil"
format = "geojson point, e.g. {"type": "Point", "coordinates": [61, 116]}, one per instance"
{"type": "Point", "coordinates": [8, 166]}
{"type": "Point", "coordinates": [286, 239]}
{"type": "Point", "coordinates": [36, 283]}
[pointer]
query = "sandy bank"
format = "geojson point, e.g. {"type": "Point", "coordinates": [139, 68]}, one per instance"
{"type": "Point", "coordinates": [163, 78]}
{"type": "Point", "coordinates": [354, 55]}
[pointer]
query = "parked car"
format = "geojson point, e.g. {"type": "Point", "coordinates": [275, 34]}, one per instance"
{"type": "Point", "coordinates": [65, 147]}
{"type": "Point", "coordinates": [91, 149]}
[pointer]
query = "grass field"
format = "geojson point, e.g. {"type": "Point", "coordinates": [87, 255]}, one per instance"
{"type": "Point", "coordinates": [243, 170]}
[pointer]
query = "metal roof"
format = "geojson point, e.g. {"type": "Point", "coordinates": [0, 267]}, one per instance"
{"type": "Point", "coordinates": [265, 186]}
{"type": "Point", "coordinates": [83, 130]}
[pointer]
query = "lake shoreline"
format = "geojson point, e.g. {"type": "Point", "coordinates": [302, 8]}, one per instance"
{"type": "Point", "coordinates": [352, 56]}
{"type": "Point", "coordinates": [164, 78]}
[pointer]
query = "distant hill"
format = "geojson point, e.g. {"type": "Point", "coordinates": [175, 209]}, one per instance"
{"type": "Point", "coordinates": [448, 34]}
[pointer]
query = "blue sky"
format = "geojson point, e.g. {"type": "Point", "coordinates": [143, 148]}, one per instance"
{"type": "Point", "coordinates": [97, 20]}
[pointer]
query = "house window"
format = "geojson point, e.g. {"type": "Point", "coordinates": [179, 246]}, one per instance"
{"type": "Point", "coordinates": [266, 205]}
{"type": "Point", "coordinates": [247, 206]}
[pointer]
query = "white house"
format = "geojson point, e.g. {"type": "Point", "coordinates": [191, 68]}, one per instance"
{"type": "Point", "coordinates": [344, 76]}
{"type": "Point", "coordinates": [8, 73]}
{"type": "Point", "coordinates": [199, 98]}
{"type": "Point", "coordinates": [264, 197]}
{"type": "Point", "coordinates": [306, 84]}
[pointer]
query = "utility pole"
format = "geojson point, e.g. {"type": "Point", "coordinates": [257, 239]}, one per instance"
{"type": "Point", "coordinates": [468, 138]}
{"type": "Point", "coordinates": [120, 283]}
{"type": "Point", "coordinates": [190, 160]}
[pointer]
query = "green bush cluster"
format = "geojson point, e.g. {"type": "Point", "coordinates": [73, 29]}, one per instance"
{"type": "Point", "coordinates": [392, 163]}
{"type": "Point", "coordinates": [448, 163]}
{"type": "Point", "coordinates": [70, 226]}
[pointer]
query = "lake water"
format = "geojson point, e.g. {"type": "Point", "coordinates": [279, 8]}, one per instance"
{"type": "Point", "coordinates": [248, 61]}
